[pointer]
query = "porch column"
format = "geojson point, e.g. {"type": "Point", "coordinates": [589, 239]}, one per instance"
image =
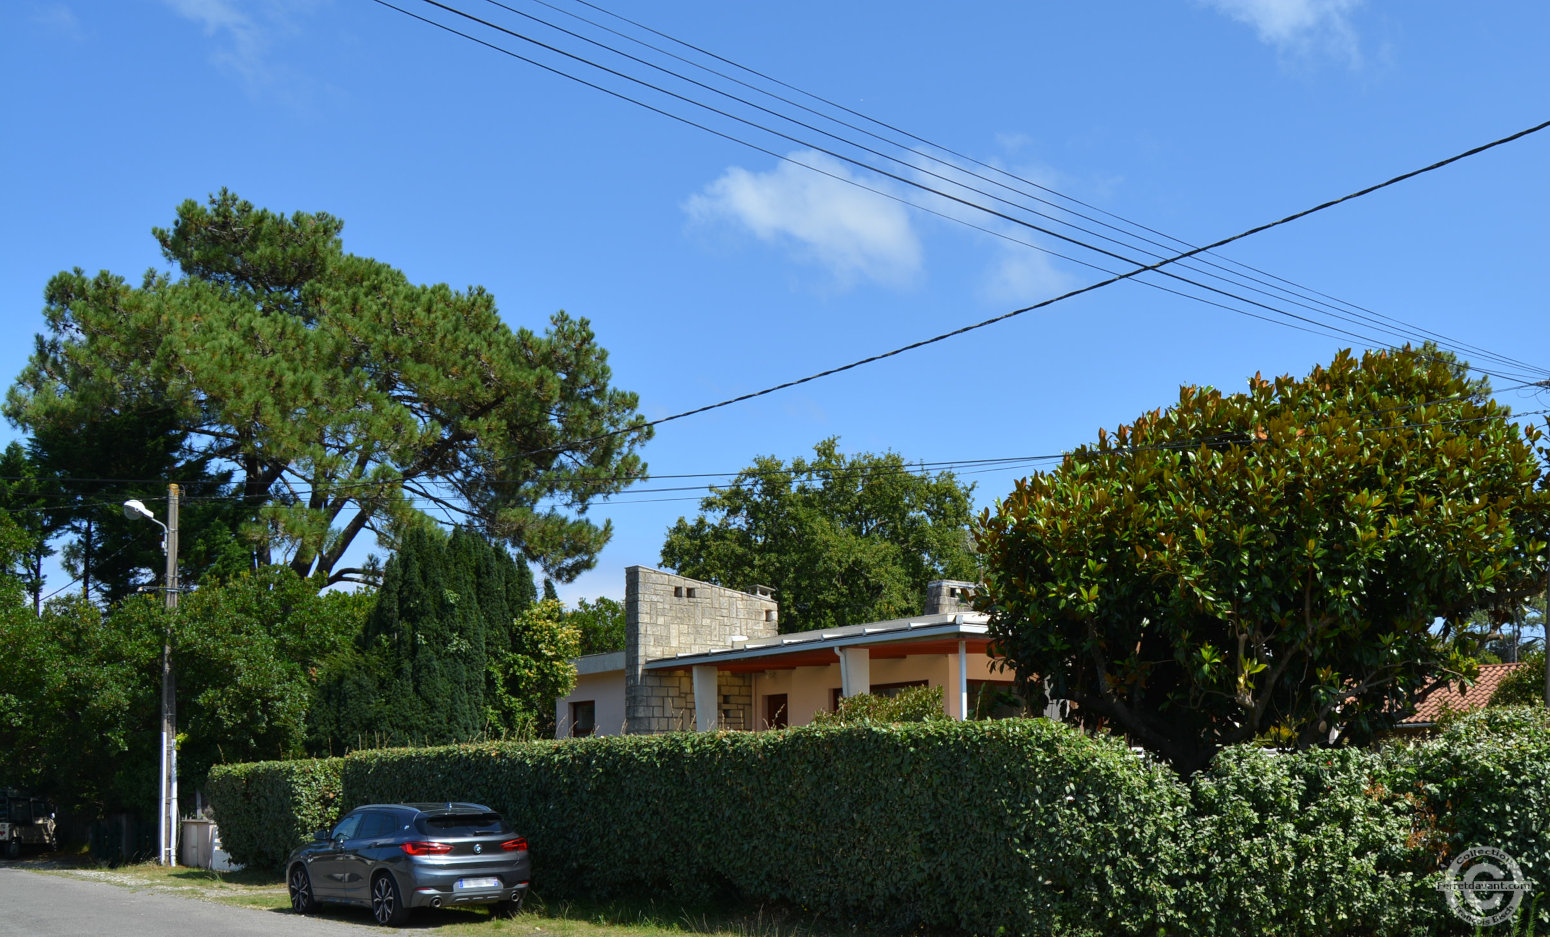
{"type": "Point", "coordinates": [855, 670]}
{"type": "Point", "coordinates": [706, 717]}
{"type": "Point", "coordinates": [963, 682]}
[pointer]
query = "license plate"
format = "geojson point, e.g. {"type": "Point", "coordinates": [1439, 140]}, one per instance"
{"type": "Point", "coordinates": [464, 883]}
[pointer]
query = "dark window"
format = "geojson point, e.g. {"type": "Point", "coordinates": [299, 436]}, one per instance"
{"type": "Point", "coordinates": [835, 695]}
{"type": "Point", "coordinates": [376, 826]}
{"type": "Point", "coordinates": [891, 690]}
{"type": "Point", "coordinates": [463, 824]}
{"type": "Point", "coordinates": [993, 699]}
{"type": "Point", "coordinates": [678, 592]}
{"type": "Point", "coordinates": [689, 592]}
{"type": "Point", "coordinates": [347, 827]}
{"type": "Point", "coordinates": [775, 714]}
{"type": "Point", "coordinates": [583, 717]}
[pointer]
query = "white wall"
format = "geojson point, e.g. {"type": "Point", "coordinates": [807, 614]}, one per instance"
{"type": "Point", "coordinates": [606, 690]}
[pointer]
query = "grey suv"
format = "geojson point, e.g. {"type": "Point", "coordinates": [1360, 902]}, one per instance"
{"type": "Point", "coordinates": [393, 857]}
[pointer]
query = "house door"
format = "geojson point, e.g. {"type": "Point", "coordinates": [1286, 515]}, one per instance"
{"type": "Point", "coordinates": [775, 713]}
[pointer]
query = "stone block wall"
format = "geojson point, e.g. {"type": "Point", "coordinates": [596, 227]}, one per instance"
{"type": "Point", "coordinates": [667, 614]}
{"type": "Point", "coordinates": [949, 596]}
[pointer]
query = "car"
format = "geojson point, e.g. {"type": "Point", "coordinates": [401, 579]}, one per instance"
{"type": "Point", "coordinates": [392, 858]}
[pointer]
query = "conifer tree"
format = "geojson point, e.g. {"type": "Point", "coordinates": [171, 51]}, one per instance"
{"type": "Point", "coordinates": [337, 393]}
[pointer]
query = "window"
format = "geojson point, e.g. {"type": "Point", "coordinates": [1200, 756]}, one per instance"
{"type": "Point", "coordinates": [347, 827]}
{"type": "Point", "coordinates": [993, 699]}
{"type": "Point", "coordinates": [376, 825]}
{"type": "Point", "coordinates": [583, 718]}
{"type": "Point", "coordinates": [678, 592]}
{"type": "Point", "coordinates": [689, 592]}
{"type": "Point", "coordinates": [775, 713]}
{"type": "Point", "coordinates": [891, 690]}
{"type": "Point", "coordinates": [463, 824]}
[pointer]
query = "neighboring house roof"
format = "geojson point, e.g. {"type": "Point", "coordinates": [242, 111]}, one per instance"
{"type": "Point", "coordinates": [921, 634]}
{"type": "Point", "coordinates": [1441, 697]}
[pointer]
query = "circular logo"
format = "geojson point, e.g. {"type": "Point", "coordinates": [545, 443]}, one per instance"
{"type": "Point", "coordinates": [478, 848]}
{"type": "Point", "coordinates": [1484, 886]}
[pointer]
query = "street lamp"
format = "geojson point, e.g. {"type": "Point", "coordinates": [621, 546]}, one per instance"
{"type": "Point", "coordinates": [167, 811]}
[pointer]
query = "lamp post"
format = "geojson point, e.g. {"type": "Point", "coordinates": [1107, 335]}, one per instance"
{"type": "Point", "coordinates": [167, 812]}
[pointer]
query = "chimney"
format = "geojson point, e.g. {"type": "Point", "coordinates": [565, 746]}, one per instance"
{"type": "Point", "coordinates": [948, 597]}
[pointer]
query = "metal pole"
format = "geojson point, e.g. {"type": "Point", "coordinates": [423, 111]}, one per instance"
{"type": "Point", "coordinates": [169, 704]}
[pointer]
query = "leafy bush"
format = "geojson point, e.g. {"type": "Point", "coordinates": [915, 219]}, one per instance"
{"type": "Point", "coordinates": [1524, 686]}
{"type": "Point", "coordinates": [1317, 842]}
{"type": "Point", "coordinates": [911, 704]}
{"type": "Point", "coordinates": [267, 808]}
{"type": "Point", "coordinates": [969, 827]}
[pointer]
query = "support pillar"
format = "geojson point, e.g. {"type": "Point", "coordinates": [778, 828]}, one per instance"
{"type": "Point", "coordinates": [706, 715]}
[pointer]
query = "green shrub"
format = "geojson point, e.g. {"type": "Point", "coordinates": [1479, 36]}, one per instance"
{"type": "Point", "coordinates": [1524, 686]}
{"type": "Point", "coordinates": [911, 704]}
{"type": "Point", "coordinates": [1487, 777]}
{"type": "Point", "coordinates": [1021, 825]}
{"type": "Point", "coordinates": [1317, 842]}
{"type": "Point", "coordinates": [266, 809]}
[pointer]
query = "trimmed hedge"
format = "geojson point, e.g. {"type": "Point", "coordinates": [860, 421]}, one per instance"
{"type": "Point", "coordinates": [268, 808]}
{"type": "Point", "coordinates": [1021, 826]}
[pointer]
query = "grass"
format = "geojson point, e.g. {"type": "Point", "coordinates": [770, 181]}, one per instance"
{"type": "Point", "coordinates": [540, 918]}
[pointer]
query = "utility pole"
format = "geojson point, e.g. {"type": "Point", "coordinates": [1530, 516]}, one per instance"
{"type": "Point", "coordinates": [167, 806]}
{"type": "Point", "coordinates": [169, 697]}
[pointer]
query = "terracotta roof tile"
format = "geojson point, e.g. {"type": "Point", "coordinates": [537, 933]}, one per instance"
{"type": "Point", "coordinates": [1441, 697]}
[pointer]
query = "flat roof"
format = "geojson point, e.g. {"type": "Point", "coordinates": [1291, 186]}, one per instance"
{"type": "Point", "coordinates": [899, 637]}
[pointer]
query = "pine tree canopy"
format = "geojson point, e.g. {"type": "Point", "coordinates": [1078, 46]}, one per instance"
{"type": "Point", "coordinates": [341, 397]}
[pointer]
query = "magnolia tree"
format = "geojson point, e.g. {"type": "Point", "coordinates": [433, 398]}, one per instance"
{"type": "Point", "coordinates": [1290, 563]}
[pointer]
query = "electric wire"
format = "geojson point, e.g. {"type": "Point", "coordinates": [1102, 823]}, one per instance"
{"type": "Point", "coordinates": [1362, 316]}
{"type": "Point", "coordinates": [1307, 292]}
{"type": "Point", "coordinates": [882, 172]}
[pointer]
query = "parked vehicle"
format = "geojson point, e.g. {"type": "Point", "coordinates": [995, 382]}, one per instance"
{"type": "Point", "coordinates": [394, 857]}
{"type": "Point", "coordinates": [25, 822]}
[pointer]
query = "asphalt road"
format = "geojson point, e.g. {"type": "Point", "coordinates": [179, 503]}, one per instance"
{"type": "Point", "coordinates": [39, 905]}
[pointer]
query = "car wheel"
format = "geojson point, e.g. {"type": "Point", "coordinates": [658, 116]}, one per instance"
{"type": "Point", "coordinates": [386, 904]}
{"type": "Point", "coordinates": [13, 849]}
{"type": "Point", "coordinates": [299, 884]}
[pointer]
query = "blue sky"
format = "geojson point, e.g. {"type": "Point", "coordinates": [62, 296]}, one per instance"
{"type": "Point", "coordinates": [710, 269]}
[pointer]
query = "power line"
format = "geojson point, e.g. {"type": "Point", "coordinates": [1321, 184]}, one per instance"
{"type": "Point", "coordinates": [840, 156]}
{"type": "Point", "coordinates": [1369, 319]}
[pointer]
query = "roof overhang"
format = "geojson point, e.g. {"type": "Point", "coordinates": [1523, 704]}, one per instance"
{"type": "Point", "coordinates": [818, 648]}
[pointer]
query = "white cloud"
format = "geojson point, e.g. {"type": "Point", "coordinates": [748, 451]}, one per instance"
{"type": "Point", "coordinates": [1298, 26]}
{"type": "Point", "coordinates": [1022, 276]}
{"type": "Point", "coordinates": [1019, 274]}
{"type": "Point", "coordinates": [242, 34]}
{"type": "Point", "coordinates": [59, 18]}
{"type": "Point", "coordinates": [853, 233]}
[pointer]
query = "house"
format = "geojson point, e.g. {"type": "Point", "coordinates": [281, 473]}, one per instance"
{"type": "Point", "coordinates": [1442, 698]}
{"type": "Point", "coordinates": [703, 657]}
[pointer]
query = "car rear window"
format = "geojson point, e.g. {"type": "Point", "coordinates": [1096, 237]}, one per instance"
{"type": "Point", "coordinates": [463, 824]}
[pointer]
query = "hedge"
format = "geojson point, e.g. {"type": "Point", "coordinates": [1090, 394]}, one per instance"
{"type": "Point", "coordinates": [1021, 826]}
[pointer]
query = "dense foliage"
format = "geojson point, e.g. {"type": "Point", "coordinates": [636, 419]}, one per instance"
{"type": "Point", "coordinates": [969, 827]}
{"type": "Point", "coordinates": [453, 650]}
{"type": "Point", "coordinates": [1524, 686]}
{"type": "Point", "coordinates": [843, 539]}
{"type": "Point", "coordinates": [911, 704]}
{"type": "Point", "coordinates": [600, 623]}
{"type": "Point", "coordinates": [1271, 562]}
{"type": "Point", "coordinates": [80, 700]}
{"type": "Point", "coordinates": [334, 394]}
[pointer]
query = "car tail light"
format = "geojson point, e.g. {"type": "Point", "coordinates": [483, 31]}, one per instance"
{"type": "Point", "coordinates": [515, 845]}
{"type": "Point", "coordinates": [426, 849]}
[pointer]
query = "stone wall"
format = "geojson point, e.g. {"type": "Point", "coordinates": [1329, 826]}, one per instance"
{"type": "Point", "coordinates": [949, 596]}
{"type": "Point", "coordinates": [666, 614]}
